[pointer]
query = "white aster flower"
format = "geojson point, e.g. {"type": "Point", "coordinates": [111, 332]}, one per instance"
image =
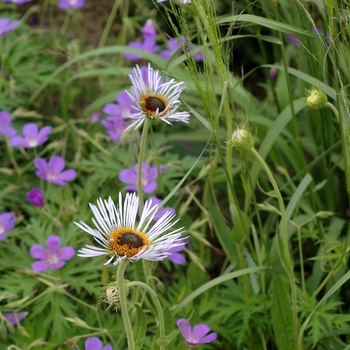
{"type": "Point", "coordinates": [154, 99]}
{"type": "Point", "coordinates": [121, 237]}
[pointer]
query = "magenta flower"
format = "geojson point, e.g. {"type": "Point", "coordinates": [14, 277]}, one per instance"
{"type": "Point", "coordinates": [175, 256]}
{"type": "Point", "coordinates": [174, 44]}
{"type": "Point", "coordinates": [197, 335]}
{"type": "Point", "coordinates": [115, 127]}
{"type": "Point", "coordinates": [70, 4]}
{"type": "Point", "coordinates": [6, 26]}
{"type": "Point", "coordinates": [15, 317]}
{"type": "Point", "coordinates": [148, 44]}
{"type": "Point", "coordinates": [129, 176]}
{"type": "Point", "coordinates": [35, 197]}
{"type": "Point", "coordinates": [52, 171]}
{"type": "Point", "coordinates": [33, 137]}
{"type": "Point", "coordinates": [7, 223]}
{"type": "Point", "coordinates": [124, 107]}
{"type": "Point", "coordinates": [94, 343]}
{"type": "Point", "coordinates": [273, 73]}
{"type": "Point", "coordinates": [17, 2]}
{"type": "Point", "coordinates": [53, 257]}
{"type": "Point", "coordinates": [5, 124]}
{"type": "Point", "coordinates": [162, 211]}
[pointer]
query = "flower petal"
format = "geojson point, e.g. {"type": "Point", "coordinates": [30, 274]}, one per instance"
{"type": "Point", "coordinates": [53, 244]}
{"type": "Point", "coordinates": [65, 176]}
{"type": "Point", "coordinates": [128, 176]}
{"type": "Point", "coordinates": [66, 253]}
{"type": "Point", "coordinates": [93, 343]}
{"type": "Point", "coordinates": [186, 331]}
{"type": "Point", "coordinates": [30, 130]}
{"type": "Point", "coordinates": [41, 266]}
{"type": "Point", "coordinates": [199, 331]}
{"type": "Point", "coordinates": [209, 338]}
{"type": "Point", "coordinates": [38, 252]}
{"type": "Point", "coordinates": [56, 164]}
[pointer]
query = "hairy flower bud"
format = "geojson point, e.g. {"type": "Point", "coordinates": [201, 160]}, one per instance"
{"type": "Point", "coordinates": [316, 98]}
{"type": "Point", "coordinates": [242, 139]}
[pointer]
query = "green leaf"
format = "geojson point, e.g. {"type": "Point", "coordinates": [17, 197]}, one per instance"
{"type": "Point", "coordinates": [139, 328]}
{"type": "Point", "coordinates": [281, 312]}
{"type": "Point", "coordinates": [241, 223]}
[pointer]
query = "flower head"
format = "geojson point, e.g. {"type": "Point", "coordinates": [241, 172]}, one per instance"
{"type": "Point", "coordinates": [53, 257]}
{"type": "Point", "coordinates": [155, 100]}
{"type": "Point", "coordinates": [197, 335]}
{"type": "Point", "coordinates": [6, 26]}
{"type": "Point", "coordinates": [52, 171]}
{"type": "Point", "coordinates": [70, 4]}
{"type": "Point", "coordinates": [121, 109]}
{"type": "Point", "coordinates": [36, 197]}
{"type": "Point", "coordinates": [122, 237]}
{"type": "Point", "coordinates": [242, 139]}
{"type": "Point", "coordinates": [316, 98]}
{"type": "Point", "coordinates": [33, 137]}
{"type": "Point", "coordinates": [94, 343]}
{"type": "Point", "coordinates": [129, 176]}
{"type": "Point", "coordinates": [5, 124]}
{"type": "Point", "coordinates": [7, 223]}
{"type": "Point", "coordinates": [15, 317]}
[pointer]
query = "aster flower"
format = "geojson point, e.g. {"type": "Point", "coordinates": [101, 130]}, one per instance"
{"type": "Point", "coordinates": [70, 4]}
{"type": "Point", "coordinates": [5, 124]}
{"type": "Point", "coordinates": [129, 176]}
{"type": "Point", "coordinates": [52, 171]}
{"type": "Point", "coordinates": [122, 109]}
{"type": "Point", "coordinates": [6, 26]}
{"type": "Point", "coordinates": [36, 197]}
{"type": "Point", "coordinates": [94, 343]}
{"type": "Point", "coordinates": [122, 237]}
{"type": "Point", "coordinates": [33, 137]}
{"type": "Point", "coordinates": [53, 257]}
{"type": "Point", "coordinates": [15, 317]}
{"type": "Point", "coordinates": [7, 223]}
{"type": "Point", "coordinates": [17, 2]}
{"type": "Point", "coordinates": [155, 100]}
{"type": "Point", "coordinates": [197, 335]}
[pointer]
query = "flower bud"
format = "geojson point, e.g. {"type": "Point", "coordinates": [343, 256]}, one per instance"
{"type": "Point", "coordinates": [316, 98]}
{"type": "Point", "coordinates": [242, 139]}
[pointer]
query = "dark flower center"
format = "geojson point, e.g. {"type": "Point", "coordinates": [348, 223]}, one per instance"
{"type": "Point", "coordinates": [152, 103]}
{"type": "Point", "coordinates": [130, 239]}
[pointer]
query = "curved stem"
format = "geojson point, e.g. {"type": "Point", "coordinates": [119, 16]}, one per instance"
{"type": "Point", "coordinates": [287, 263]}
{"type": "Point", "coordinates": [157, 305]}
{"type": "Point", "coordinates": [123, 304]}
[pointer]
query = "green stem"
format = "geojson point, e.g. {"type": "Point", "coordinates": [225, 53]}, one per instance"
{"type": "Point", "coordinates": [288, 265]}
{"type": "Point", "coordinates": [157, 305]}
{"type": "Point", "coordinates": [65, 24]}
{"type": "Point", "coordinates": [333, 108]}
{"type": "Point", "coordinates": [123, 304]}
{"type": "Point", "coordinates": [109, 23]}
{"type": "Point", "coordinates": [141, 157]}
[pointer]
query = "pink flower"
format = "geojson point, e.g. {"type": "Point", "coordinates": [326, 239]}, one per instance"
{"type": "Point", "coordinates": [52, 171]}
{"type": "Point", "coordinates": [33, 137]}
{"type": "Point", "coordinates": [197, 335]}
{"type": "Point", "coordinates": [35, 197]}
{"type": "Point", "coordinates": [53, 257]}
{"type": "Point", "coordinates": [70, 4]}
{"type": "Point", "coordinates": [5, 124]}
{"type": "Point", "coordinates": [7, 223]}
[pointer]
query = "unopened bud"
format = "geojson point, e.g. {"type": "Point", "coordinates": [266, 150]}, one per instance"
{"type": "Point", "coordinates": [316, 98]}
{"type": "Point", "coordinates": [242, 139]}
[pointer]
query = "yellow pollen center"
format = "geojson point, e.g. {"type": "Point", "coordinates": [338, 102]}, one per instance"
{"type": "Point", "coordinates": [150, 104]}
{"type": "Point", "coordinates": [128, 242]}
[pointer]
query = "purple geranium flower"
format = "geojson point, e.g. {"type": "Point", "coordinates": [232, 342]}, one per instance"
{"type": "Point", "coordinates": [115, 127]}
{"type": "Point", "coordinates": [17, 2]}
{"type": "Point", "coordinates": [5, 124]}
{"type": "Point", "coordinates": [33, 137]}
{"type": "Point", "coordinates": [6, 26]}
{"type": "Point", "coordinates": [70, 4]}
{"type": "Point", "coordinates": [197, 335]}
{"type": "Point", "coordinates": [174, 44]}
{"type": "Point", "coordinates": [148, 44]}
{"type": "Point", "coordinates": [162, 211]}
{"type": "Point", "coordinates": [35, 197]}
{"type": "Point", "coordinates": [122, 109]}
{"type": "Point", "coordinates": [7, 223]}
{"type": "Point", "coordinates": [53, 257]}
{"type": "Point", "coordinates": [293, 39]}
{"type": "Point", "coordinates": [15, 317]}
{"type": "Point", "coordinates": [52, 171]}
{"type": "Point", "coordinates": [129, 176]}
{"type": "Point", "coordinates": [94, 343]}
